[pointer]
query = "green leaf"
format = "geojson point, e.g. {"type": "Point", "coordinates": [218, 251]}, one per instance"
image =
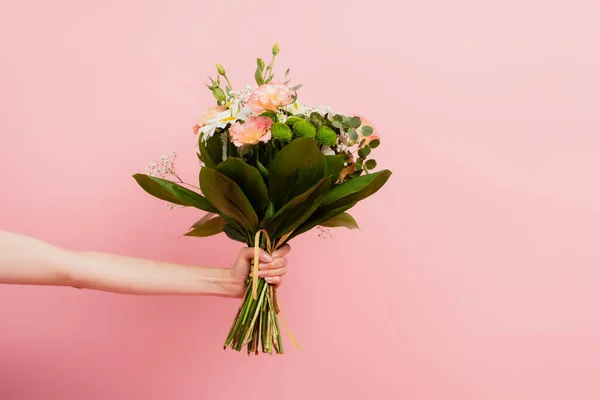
{"type": "Point", "coordinates": [364, 152]}
{"type": "Point", "coordinates": [234, 234]}
{"type": "Point", "coordinates": [211, 227]}
{"type": "Point", "coordinates": [355, 189]}
{"type": "Point", "coordinates": [297, 210]}
{"type": "Point", "coordinates": [228, 198]}
{"type": "Point", "coordinates": [320, 216]}
{"type": "Point", "coordinates": [172, 192]}
{"type": "Point", "coordinates": [294, 170]}
{"type": "Point", "coordinates": [374, 143]}
{"type": "Point", "coordinates": [205, 155]}
{"type": "Point", "coordinates": [317, 120]}
{"type": "Point", "coordinates": [341, 220]}
{"type": "Point", "coordinates": [295, 88]}
{"type": "Point", "coordinates": [333, 166]}
{"type": "Point", "coordinates": [354, 122]}
{"type": "Point", "coordinates": [263, 170]}
{"type": "Point", "coordinates": [366, 131]}
{"type": "Point", "coordinates": [370, 164]}
{"type": "Point", "coordinates": [248, 179]}
{"type": "Point", "coordinates": [352, 133]}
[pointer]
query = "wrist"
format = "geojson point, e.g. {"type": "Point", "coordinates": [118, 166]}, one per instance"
{"type": "Point", "coordinates": [229, 286]}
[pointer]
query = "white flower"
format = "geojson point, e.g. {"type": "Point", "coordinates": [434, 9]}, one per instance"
{"type": "Point", "coordinates": [297, 108]}
{"type": "Point", "coordinates": [328, 151]}
{"type": "Point", "coordinates": [223, 118]}
{"type": "Point", "coordinates": [321, 110]}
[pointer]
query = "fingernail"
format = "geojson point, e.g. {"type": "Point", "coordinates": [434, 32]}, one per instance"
{"type": "Point", "coordinates": [269, 279]}
{"type": "Point", "coordinates": [266, 257]}
{"type": "Point", "coordinates": [262, 273]}
{"type": "Point", "coordinates": [262, 265]}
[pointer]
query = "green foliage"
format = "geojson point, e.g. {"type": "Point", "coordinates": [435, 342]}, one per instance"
{"type": "Point", "coordinates": [374, 143]}
{"type": "Point", "coordinates": [327, 136]}
{"type": "Point", "coordinates": [341, 220]}
{"type": "Point", "coordinates": [317, 120]}
{"type": "Point", "coordinates": [227, 197]}
{"type": "Point", "coordinates": [297, 210]}
{"type": "Point", "coordinates": [172, 192]}
{"type": "Point", "coordinates": [304, 129]}
{"type": "Point", "coordinates": [366, 131]}
{"type": "Point", "coordinates": [370, 164]}
{"type": "Point", "coordinates": [210, 227]}
{"type": "Point", "coordinates": [355, 189]}
{"type": "Point", "coordinates": [281, 131]}
{"type": "Point", "coordinates": [294, 170]}
{"type": "Point", "coordinates": [249, 180]}
{"type": "Point", "coordinates": [333, 166]}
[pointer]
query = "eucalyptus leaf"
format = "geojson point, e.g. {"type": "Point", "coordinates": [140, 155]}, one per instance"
{"type": "Point", "coordinates": [352, 133]}
{"type": "Point", "coordinates": [211, 227]}
{"type": "Point", "coordinates": [172, 192]}
{"type": "Point", "coordinates": [222, 192]}
{"type": "Point", "coordinates": [366, 131]}
{"type": "Point", "coordinates": [249, 180]}
{"type": "Point", "coordinates": [295, 169]}
{"type": "Point", "coordinates": [374, 143]}
{"type": "Point", "coordinates": [370, 164]}
{"type": "Point", "coordinates": [344, 220]}
{"type": "Point", "coordinates": [354, 122]}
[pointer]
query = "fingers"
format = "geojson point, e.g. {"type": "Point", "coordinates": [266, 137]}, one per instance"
{"type": "Point", "coordinates": [276, 268]}
{"type": "Point", "coordinates": [274, 280]}
{"type": "Point", "coordinates": [282, 251]}
{"type": "Point", "coordinates": [247, 253]}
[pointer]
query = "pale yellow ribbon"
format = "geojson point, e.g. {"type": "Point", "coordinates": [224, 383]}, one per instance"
{"type": "Point", "coordinates": [270, 250]}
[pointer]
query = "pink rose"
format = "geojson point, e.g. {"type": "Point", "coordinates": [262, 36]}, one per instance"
{"type": "Point", "coordinates": [209, 114]}
{"type": "Point", "coordinates": [256, 129]}
{"type": "Point", "coordinates": [270, 97]}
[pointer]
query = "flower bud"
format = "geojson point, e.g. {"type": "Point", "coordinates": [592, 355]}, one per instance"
{"type": "Point", "coordinates": [275, 49]}
{"type": "Point", "coordinates": [221, 69]}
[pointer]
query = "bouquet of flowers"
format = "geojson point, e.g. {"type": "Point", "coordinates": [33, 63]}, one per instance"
{"type": "Point", "coordinates": [271, 168]}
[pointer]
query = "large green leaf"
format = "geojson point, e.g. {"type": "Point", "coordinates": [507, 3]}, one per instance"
{"type": "Point", "coordinates": [341, 220]}
{"type": "Point", "coordinates": [234, 234]}
{"type": "Point", "coordinates": [355, 189]}
{"type": "Point", "coordinates": [333, 166]}
{"type": "Point", "coordinates": [294, 170]}
{"type": "Point", "coordinates": [212, 226]}
{"type": "Point", "coordinates": [172, 192]}
{"type": "Point", "coordinates": [320, 215]}
{"type": "Point", "coordinates": [297, 210]}
{"type": "Point", "coordinates": [228, 198]}
{"type": "Point", "coordinates": [249, 180]}
{"type": "Point", "coordinates": [211, 151]}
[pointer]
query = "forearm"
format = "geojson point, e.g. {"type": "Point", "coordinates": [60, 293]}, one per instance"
{"type": "Point", "coordinates": [121, 274]}
{"type": "Point", "coordinates": [28, 261]}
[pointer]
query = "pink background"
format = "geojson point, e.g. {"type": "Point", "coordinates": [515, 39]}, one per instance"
{"type": "Point", "coordinates": [475, 275]}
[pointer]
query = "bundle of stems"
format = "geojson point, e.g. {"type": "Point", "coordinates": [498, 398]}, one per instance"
{"type": "Point", "coordinates": [256, 325]}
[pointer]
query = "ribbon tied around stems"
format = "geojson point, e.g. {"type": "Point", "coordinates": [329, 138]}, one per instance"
{"type": "Point", "coordinates": [270, 249]}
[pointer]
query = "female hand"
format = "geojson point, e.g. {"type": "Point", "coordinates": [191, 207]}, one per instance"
{"type": "Point", "coordinates": [272, 268]}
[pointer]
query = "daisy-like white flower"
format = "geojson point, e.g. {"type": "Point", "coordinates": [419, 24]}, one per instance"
{"type": "Point", "coordinates": [220, 117]}
{"type": "Point", "coordinates": [296, 108]}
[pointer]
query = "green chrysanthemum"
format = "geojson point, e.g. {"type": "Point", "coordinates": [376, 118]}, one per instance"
{"type": "Point", "coordinates": [305, 129]}
{"type": "Point", "coordinates": [326, 136]}
{"type": "Point", "coordinates": [292, 120]}
{"type": "Point", "coordinates": [281, 131]}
